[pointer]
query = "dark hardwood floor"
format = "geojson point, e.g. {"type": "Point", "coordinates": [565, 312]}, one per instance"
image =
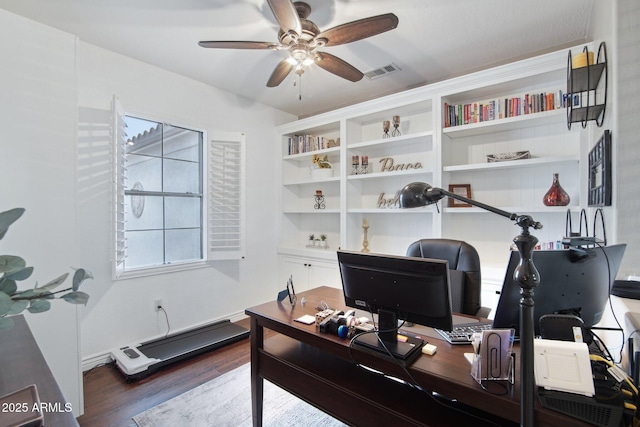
{"type": "Point", "coordinates": [109, 400]}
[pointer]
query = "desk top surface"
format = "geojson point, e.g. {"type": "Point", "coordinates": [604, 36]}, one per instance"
{"type": "Point", "coordinates": [446, 372]}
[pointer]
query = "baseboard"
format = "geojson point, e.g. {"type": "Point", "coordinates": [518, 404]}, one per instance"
{"type": "Point", "coordinates": [98, 359]}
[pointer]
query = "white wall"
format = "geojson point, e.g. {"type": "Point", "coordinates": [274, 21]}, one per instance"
{"type": "Point", "coordinates": [55, 112]}
{"type": "Point", "coordinates": [38, 172]}
{"type": "Point", "coordinates": [625, 138]}
{"type": "Point", "coordinates": [122, 312]}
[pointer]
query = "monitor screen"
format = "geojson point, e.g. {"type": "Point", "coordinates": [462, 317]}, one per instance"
{"type": "Point", "coordinates": [415, 289]}
{"type": "Point", "coordinates": [571, 282]}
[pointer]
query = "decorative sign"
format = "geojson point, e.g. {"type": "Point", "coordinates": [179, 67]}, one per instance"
{"type": "Point", "coordinates": [393, 202]}
{"type": "Point", "coordinates": [388, 165]}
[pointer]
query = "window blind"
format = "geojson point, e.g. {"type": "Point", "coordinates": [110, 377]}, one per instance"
{"type": "Point", "coordinates": [118, 150]}
{"type": "Point", "coordinates": [226, 196]}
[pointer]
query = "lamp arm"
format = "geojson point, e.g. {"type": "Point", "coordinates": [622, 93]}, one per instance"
{"type": "Point", "coordinates": [524, 221]}
{"type": "Point", "coordinates": [472, 202]}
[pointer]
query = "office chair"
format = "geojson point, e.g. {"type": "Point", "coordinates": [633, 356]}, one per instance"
{"type": "Point", "coordinates": [464, 266]}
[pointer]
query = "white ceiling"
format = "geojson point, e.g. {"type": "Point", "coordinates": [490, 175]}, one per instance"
{"type": "Point", "coordinates": [434, 40]}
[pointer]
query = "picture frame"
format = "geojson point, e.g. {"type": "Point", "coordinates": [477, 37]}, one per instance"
{"type": "Point", "coordinates": [463, 190]}
{"type": "Point", "coordinates": [600, 172]}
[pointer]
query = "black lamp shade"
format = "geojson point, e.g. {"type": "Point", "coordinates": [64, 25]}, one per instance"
{"type": "Point", "coordinates": [414, 195]}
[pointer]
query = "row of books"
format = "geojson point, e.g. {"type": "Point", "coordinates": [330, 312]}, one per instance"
{"type": "Point", "coordinates": [305, 143]}
{"type": "Point", "coordinates": [477, 112]}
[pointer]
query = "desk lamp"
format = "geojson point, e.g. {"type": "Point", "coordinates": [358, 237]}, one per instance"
{"type": "Point", "coordinates": [418, 194]}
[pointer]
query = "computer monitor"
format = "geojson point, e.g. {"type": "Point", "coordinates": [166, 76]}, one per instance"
{"type": "Point", "coordinates": [571, 282]}
{"type": "Point", "coordinates": [397, 287]}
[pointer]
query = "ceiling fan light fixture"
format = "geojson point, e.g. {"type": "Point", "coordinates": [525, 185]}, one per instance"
{"type": "Point", "coordinates": [301, 37]}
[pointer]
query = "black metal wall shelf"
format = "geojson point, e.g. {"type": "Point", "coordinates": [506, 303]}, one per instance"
{"type": "Point", "coordinates": [582, 85]}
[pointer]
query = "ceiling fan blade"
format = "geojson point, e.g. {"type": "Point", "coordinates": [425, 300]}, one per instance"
{"type": "Point", "coordinates": [358, 30]}
{"type": "Point", "coordinates": [280, 73]}
{"type": "Point", "coordinates": [239, 45]}
{"type": "Point", "coordinates": [337, 66]}
{"type": "Point", "coordinates": [286, 15]}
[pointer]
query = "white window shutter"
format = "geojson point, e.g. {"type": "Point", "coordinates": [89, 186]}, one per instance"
{"type": "Point", "coordinates": [119, 134]}
{"type": "Point", "coordinates": [226, 196]}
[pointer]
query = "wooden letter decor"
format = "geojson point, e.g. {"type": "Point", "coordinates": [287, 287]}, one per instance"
{"type": "Point", "coordinates": [389, 166]}
{"type": "Point", "coordinates": [388, 203]}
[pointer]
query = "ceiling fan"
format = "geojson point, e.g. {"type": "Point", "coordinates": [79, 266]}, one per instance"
{"type": "Point", "coordinates": [302, 37]}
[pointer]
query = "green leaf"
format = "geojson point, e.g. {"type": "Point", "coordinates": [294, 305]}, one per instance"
{"type": "Point", "coordinates": [18, 307]}
{"type": "Point", "coordinates": [77, 297]}
{"type": "Point", "coordinates": [39, 306]}
{"type": "Point", "coordinates": [5, 303]}
{"type": "Point", "coordinates": [22, 274]}
{"type": "Point", "coordinates": [6, 323]}
{"type": "Point", "coordinates": [7, 218]}
{"type": "Point", "coordinates": [54, 283]}
{"type": "Point", "coordinates": [10, 263]}
{"type": "Point", "coordinates": [80, 276]}
{"type": "Point", "coordinates": [7, 286]}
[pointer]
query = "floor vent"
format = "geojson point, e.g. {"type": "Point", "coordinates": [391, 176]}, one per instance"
{"type": "Point", "coordinates": [382, 71]}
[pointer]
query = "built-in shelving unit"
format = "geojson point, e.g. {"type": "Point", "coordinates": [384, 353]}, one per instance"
{"type": "Point", "coordinates": [430, 149]}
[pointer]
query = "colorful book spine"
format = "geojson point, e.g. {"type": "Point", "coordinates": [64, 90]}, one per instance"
{"type": "Point", "coordinates": [500, 108]}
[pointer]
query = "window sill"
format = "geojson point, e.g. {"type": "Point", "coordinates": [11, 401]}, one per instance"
{"type": "Point", "coordinates": [153, 271]}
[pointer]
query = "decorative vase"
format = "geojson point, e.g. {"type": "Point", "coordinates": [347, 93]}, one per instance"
{"type": "Point", "coordinates": [556, 196]}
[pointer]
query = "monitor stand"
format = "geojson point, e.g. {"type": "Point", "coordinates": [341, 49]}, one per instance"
{"type": "Point", "coordinates": [405, 351]}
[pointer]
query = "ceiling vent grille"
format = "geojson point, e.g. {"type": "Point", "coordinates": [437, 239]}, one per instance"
{"type": "Point", "coordinates": [382, 71]}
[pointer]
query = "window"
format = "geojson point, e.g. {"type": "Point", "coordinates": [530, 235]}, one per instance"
{"type": "Point", "coordinates": [173, 210]}
{"type": "Point", "coordinates": [163, 194]}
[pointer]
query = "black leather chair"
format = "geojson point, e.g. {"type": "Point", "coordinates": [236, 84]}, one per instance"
{"type": "Point", "coordinates": [464, 263]}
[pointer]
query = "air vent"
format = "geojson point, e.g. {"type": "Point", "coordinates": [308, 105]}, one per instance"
{"type": "Point", "coordinates": [382, 71]}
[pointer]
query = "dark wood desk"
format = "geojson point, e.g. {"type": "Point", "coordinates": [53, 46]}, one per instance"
{"type": "Point", "coordinates": [319, 369]}
{"type": "Point", "coordinates": [22, 364]}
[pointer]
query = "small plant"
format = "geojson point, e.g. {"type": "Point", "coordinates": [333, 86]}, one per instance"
{"type": "Point", "coordinates": [323, 237]}
{"type": "Point", "coordinates": [312, 237]}
{"type": "Point", "coordinates": [37, 300]}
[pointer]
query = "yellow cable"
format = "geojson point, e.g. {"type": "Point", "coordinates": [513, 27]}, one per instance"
{"type": "Point", "coordinates": [597, 358]}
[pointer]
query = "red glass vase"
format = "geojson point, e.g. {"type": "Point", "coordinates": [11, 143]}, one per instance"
{"type": "Point", "coordinates": [556, 196]}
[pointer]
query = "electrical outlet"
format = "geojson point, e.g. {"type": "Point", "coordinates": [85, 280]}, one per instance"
{"type": "Point", "coordinates": [157, 304]}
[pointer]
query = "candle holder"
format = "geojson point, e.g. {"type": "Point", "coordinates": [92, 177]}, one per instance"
{"type": "Point", "coordinates": [385, 128]}
{"type": "Point", "coordinates": [396, 126]}
{"type": "Point", "coordinates": [355, 162]}
{"type": "Point", "coordinates": [365, 241]}
{"type": "Point", "coordinates": [365, 165]}
{"type": "Point", "coordinates": [319, 200]}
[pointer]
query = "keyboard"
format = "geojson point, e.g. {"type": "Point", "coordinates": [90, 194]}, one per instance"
{"type": "Point", "coordinates": [463, 333]}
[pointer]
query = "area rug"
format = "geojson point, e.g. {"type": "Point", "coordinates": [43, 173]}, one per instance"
{"type": "Point", "coordinates": [226, 401]}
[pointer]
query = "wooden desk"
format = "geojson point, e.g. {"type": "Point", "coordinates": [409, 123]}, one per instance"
{"type": "Point", "coordinates": [318, 368]}
{"type": "Point", "coordinates": [22, 364]}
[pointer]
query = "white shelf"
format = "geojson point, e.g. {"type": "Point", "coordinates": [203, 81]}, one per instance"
{"type": "Point", "coordinates": [311, 211]}
{"type": "Point", "coordinates": [394, 211]}
{"type": "Point", "coordinates": [300, 157]}
{"type": "Point", "coordinates": [499, 125]}
{"type": "Point", "coordinates": [539, 161]}
{"type": "Point", "coordinates": [395, 140]}
{"type": "Point", "coordinates": [388, 175]}
{"type": "Point", "coordinates": [327, 254]}
{"type": "Point", "coordinates": [312, 181]}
